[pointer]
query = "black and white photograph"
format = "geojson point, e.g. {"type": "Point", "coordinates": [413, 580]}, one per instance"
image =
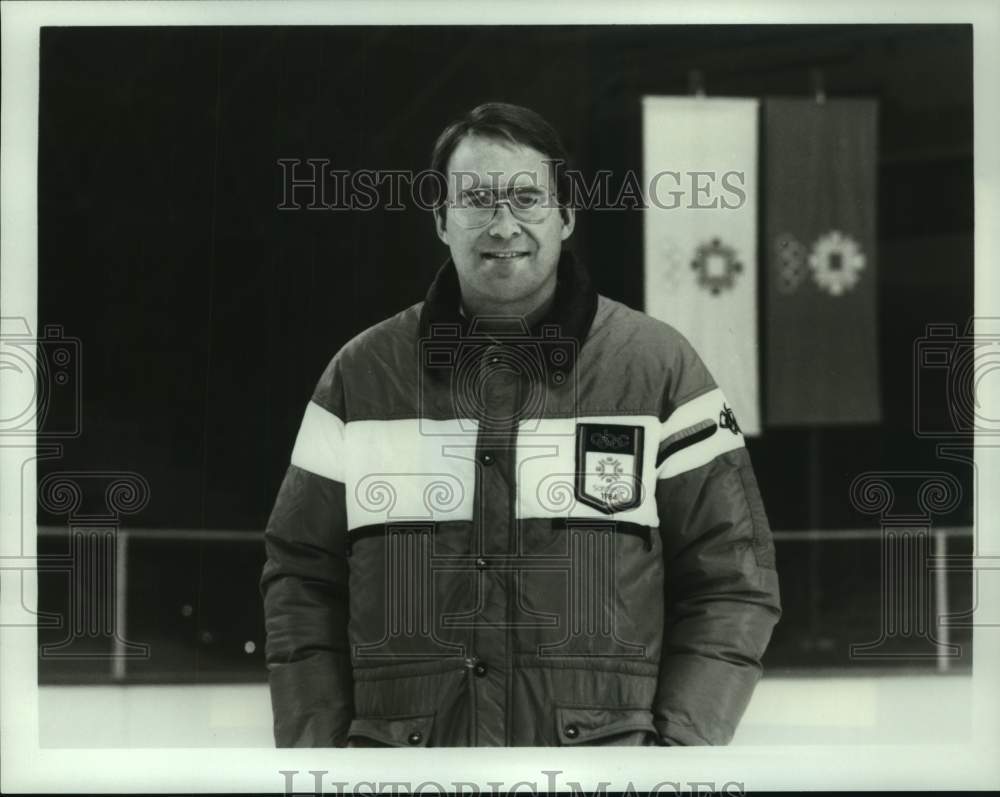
{"type": "Point", "coordinates": [442, 376]}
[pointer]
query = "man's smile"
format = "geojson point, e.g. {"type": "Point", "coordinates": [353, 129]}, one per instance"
{"type": "Point", "coordinates": [505, 255]}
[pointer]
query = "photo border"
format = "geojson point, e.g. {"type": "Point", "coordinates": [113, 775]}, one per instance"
{"type": "Point", "coordinates": [28, 767]}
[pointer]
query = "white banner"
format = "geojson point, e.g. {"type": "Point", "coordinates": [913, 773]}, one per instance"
{"type": "Point", "coordinates": [700, 164]}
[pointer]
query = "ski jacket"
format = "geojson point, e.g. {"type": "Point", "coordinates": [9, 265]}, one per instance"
{"type": "Point", "coordinates": [496, 535]}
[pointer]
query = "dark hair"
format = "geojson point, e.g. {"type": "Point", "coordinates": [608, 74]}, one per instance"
{"type": "Point", "coordinates": [513, 123]}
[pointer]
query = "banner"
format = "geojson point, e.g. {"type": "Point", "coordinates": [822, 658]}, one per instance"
{"type": "Point", "coordinates": [822, 362]}
{"type": "Point", "coordinates": [700, 164]}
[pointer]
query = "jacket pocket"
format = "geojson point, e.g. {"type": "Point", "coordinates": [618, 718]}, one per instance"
{"type": "Point", "coordinates": [412, 730]}
{"type": "Point", "coordinates": [604, 725]}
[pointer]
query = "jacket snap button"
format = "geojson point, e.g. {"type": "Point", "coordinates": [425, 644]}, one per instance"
{"type": "Point", "coordinates": [487, 459]}
{"type": "Point", "coordinates": [480, 670]}
{"type": "Point", "coordinates": [481, 563]}
{"type": "Point", "coordinates": [571, 731]}
{"type": "Point", "coordinates": [415, 737]}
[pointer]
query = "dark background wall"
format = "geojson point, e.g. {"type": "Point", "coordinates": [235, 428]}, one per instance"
{"type": "Point", "coordinates": [206, 315]}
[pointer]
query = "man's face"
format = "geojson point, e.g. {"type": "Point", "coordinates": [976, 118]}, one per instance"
{"type": "Point", "coordinates": [507, 263]}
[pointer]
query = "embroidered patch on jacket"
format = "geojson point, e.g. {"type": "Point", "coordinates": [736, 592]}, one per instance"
{"type": "Point", "coordinates": [609, 466]}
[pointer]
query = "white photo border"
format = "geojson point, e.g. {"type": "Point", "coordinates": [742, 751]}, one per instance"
{"type": "Point", "coordinates": [29, 768]}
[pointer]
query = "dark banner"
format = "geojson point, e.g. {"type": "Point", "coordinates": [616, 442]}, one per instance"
{"type": "Point", "coordinates": [822, 347]}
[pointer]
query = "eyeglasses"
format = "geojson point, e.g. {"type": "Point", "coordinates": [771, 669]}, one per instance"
{"type": "Point", "coordinates": [477, 207]}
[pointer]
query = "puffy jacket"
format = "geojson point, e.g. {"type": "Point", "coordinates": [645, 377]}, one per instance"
{"type": "Point", "coordinates": [490, 535]}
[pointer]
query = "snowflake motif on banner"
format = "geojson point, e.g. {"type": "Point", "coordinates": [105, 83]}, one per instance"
{"type": "Point", "coordinates": [791, 262]}
{"type": "Point", "coordinates": [836, 261]}
{"type": "Point", "coordinates": [717, 266]}
{"type": "Point", "coordinates": [672, 261]}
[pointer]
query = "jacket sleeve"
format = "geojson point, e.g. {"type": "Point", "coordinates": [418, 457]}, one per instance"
{"type": "Point", "coordinates": [304, 584]}
{"type": "Point", "coordinates": [721, 587]}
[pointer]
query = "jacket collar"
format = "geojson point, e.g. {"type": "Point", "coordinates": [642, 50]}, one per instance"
{"type": "Point", "coordinates": [572, 311]}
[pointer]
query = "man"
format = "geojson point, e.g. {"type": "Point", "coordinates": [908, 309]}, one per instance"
{"type": "Point", "coordinates": [517, 513]}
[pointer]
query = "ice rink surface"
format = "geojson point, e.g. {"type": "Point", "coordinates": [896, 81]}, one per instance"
{"type": "Point", "coordinates": [785, 710]}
